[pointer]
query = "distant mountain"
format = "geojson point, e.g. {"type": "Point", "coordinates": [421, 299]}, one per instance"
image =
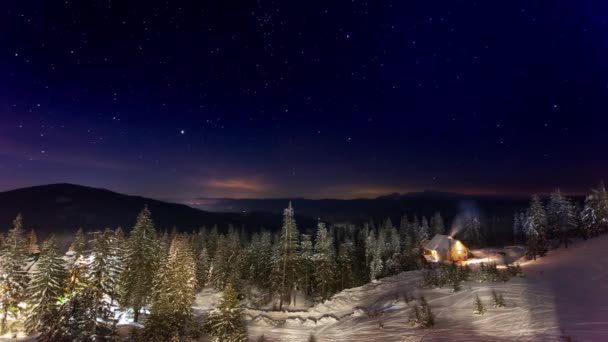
{"type": "Point", "coordinates": [391, 205]}
{"type": "Point", "coordinates": [496, 211]}
{"type": "Point", "coordinates": [62, 208]}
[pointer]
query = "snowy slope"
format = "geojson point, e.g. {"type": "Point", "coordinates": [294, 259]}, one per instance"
{"type": "Point", "coordinates": [563, 294]}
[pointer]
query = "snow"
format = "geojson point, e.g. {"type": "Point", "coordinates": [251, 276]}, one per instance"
{"type": "Point", "coordinates": [562, 294]}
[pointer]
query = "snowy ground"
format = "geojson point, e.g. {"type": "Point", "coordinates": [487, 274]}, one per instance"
{"type": "Point", "coordinates": [563, 294]}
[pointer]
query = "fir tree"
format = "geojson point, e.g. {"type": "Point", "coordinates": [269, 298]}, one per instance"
{"type": "Point", "coordinates": [421, 314]}
{"type": "Point", "coordinates": [536, 229]}
{"type": "Point", "coordinates": [32, 243]}
{"type": "Point", "coordinates": [324, 260]}
{"type": "Point", "coordinates": [423, 230]}
{"type": "Point", "coordinates": [103, 273]}
{"type": "Point", "coordinates": [376, 246]}
{"type": "Point", "coordinates": [437, 225]}
{"type": "Point", "coordinates": [472, 227]}
{"type": "Point", "coordinates": [48, 280]}
{"type": "Point", "coordinates": [75, 319]}
{"type": "Point", "coordinates": [345, 265]}
{"type": "Point", "coordinates": [305, 263]}
{"type": "Point", "coordinates": [140, 264]}
{"type": "Point", "coordinates": [202, 268]}
{"type": "Point", "coordinates": [499, 301]}
{"type": "Point", "coordinates": [14, 278]}
{"type": "Point", "coordinates": [78, 245]}
{"type": "Point", "coordinates": [173, 295]}
{"type": "Point", "coordinates": [480, 309]}
{"type": "Point", "coordinates": [561, 217]}
{"type": "Point", "coordinates": [288, 255]}
{"type": "Point", "coordinates": [224, 324]}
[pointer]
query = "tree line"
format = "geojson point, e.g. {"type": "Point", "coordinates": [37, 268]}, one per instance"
{"type": "Point", "coordinates": [559, 219]}
{"type": "Point", "coordinates": [73, 296]}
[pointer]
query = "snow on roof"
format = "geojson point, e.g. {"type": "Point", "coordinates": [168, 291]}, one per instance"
{"type": "Point", "coordinates": [439, 243]}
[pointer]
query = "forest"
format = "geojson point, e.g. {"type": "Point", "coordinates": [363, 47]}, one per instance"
{"type": "Point", "coordinates": [152, 277]}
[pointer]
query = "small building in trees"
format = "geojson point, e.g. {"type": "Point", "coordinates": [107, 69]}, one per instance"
{"type": "Point", "coordinates": [442, 248]}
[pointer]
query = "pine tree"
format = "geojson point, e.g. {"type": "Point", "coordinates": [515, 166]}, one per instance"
{"type": "Point", "coordinates": [202, 268]}
{"type": "Point", "coordinates": [47, 284]}
{"type": "Point", "coordinates": [14, 280]}
{"type": "Point", "coordinates": [173, 295]}
{"type": "Point", "coordinates": [305, 263]}
{"type": "Point", "coordinates": [75, 319]}
{"type": "Point", "coordinates": [78, 246]}
{"type": "Point", "coordinates": [421, 314]}
{"type": "Point", "coordinates": [262, 261]}
{"type": "Point", "coordinates": [499, 301]}
{"type": "Point", "coordinates": [103, 273]}
{"type": "Point", "coordinates": [140, 264]}
{"type": "Point", "coordinates": [472, 227]}
{"type": "Point", "coordinates": [536, 229]}
{"type": "Point", "coordinates": [375, 246]}
{"type": "Point", "coordinates": [437, 225]}
{"type": "Point", "coordinates": [324, 261]}
{"type": "Point", "coordinates": [480, 309]}
{"type": "Point", "coordinates": [288, 255]}
{"type": "Point", "coordinates": [224, 323]}
{"type": "Point", "coordinates": [423, 230]}
{"type": "Point", "coordinates": [345, 265]}
{"type": "Point", "coordinates": [561, 218]}
{"type": "Point", "coordinates": [594, 216]}
{"type": "Point", "coordinates": [32, 243]}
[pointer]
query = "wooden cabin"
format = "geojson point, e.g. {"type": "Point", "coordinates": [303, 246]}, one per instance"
{"type": "Point", "coordinates": [443, 248]}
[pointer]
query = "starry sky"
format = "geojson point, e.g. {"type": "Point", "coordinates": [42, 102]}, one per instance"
{"type": "Point", "coordinates": [185, 99]}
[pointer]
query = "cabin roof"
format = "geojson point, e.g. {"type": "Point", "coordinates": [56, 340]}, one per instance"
{"type": "Point", "coordinates": [439, 243]}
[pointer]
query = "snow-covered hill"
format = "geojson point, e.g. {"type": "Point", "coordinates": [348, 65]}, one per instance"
{"type": "Point", "coordinates": [562, 295]}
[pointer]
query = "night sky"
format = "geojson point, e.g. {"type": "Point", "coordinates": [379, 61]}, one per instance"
{"type": "Point", "coordinates": [184, 99]}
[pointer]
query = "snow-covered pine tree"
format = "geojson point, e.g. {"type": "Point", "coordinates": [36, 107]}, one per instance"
{"type": "Point", "coordinates": [472, 227]}
{"type": "Point", "coordinates": [173, 295]}
{"type": "Point", "coordinates": [141, 262]}
{"type": "Point", "coordinates": [594, 216]}
{"type": "Point", "coordinates": [46, 286]}
{"type": "Point", "coordinates": [224, 323]}
{"type": "Point", "coordinates": [414, 230]}
{"type": "Point", "coordinates": [421, 314]}
{"type": "Point", "coordinates": [345, 265]}
{"type": "Point", "coordinates": [377, 265]}
{"type": "Point", "coordinates": [536, 229]}
{"type": "Point", "coordinates": [220, 268]}
{"type": "Point", "coordinates": [409, 255]}
{"type": "Point", "coordinates": [404, 228]}
{"type": "Point", "coordinates": [479, 308]}
{"type": "Point", "coordinates": [74, 321]}
{"type": "Point", "coordinates": [288, 241]}
{"type": "Point", "coordinates": [499, 301]}
{"type": "Point", "coordinates": [202, 269]}
{"type": "Point", "coordinates": [561, 217]}
{"type": "Point", "coordinates": [437, 225]}
{"type": "Point", "coordinates": [32, 243]}
{"type": "Point", "coordinates": [517, 228]}
{"type": "Point", "coordinates": [103, 274]}
{"type": "Point", "coordinates": [120, 242]}
{"type": "Point", "coordinates": [423, 230]}
{"type": "Point", "coordinates": [325, 262]}
{"type": "Point", "coordinates": [392, 250]}
{"type": "Point", "coordinates": [14, 280]}
{"type": "Point", "coordinates": [78, 245]}
{"type": "Point", "coordinates": [305, 264]}
{"type": "Point", "coordinates": [76, 263]}
{"type": "Point", "coordinates": [589, 219]}
{"type": "Point", "coordinates": [261, 260]}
